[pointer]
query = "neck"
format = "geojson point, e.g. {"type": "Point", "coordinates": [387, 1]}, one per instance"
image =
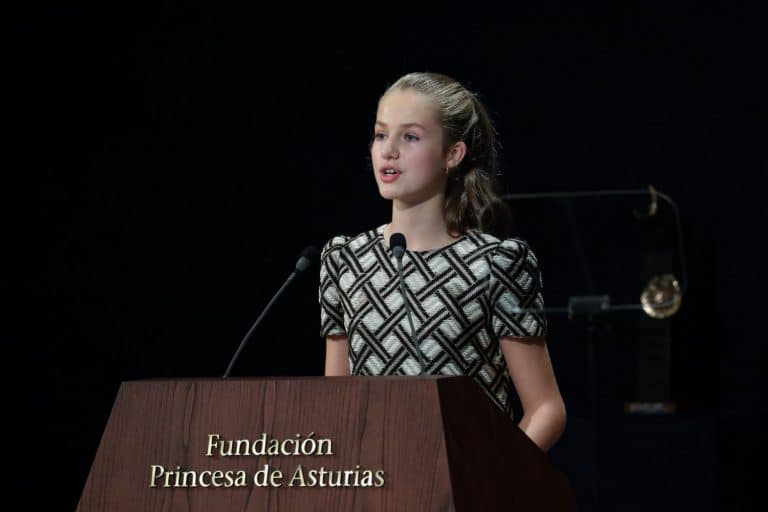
{"type": "Point", "coordinates": [422, 224]}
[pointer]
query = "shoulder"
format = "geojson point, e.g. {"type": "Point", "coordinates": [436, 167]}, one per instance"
{"type": "Point", "coordinates": [505, 252]}
{"type": "Point", "coordinates": [510, 248]}
{"type": "Point", "coordinates": [341, 242]}
{"type": "Point", "coordinates": [515, 248]}
{"type": "Point", "coordinates": [515, 266]}
{"type": "Point", "coordinates": [335, 243]}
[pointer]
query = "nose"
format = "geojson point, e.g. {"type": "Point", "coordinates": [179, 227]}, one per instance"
{"type": "Point", "coordinates": [388, 150]}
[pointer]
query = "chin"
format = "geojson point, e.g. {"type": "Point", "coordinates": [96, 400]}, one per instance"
{"type": "Point", "coordinates": [387, 194]}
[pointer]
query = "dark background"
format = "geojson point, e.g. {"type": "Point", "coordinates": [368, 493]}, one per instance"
{"type": "Point", "coordinates": [177, 158]}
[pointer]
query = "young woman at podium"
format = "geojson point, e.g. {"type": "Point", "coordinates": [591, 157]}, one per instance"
{"type": "Point", "coordinates": [474, 295]}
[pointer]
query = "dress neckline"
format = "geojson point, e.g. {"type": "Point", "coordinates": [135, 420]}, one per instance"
{"type": "Point", "coordinates": [380, 234]}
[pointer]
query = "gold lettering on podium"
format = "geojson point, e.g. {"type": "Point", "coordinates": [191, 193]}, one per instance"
{"type": "Point", "coordinates": [267, 476]}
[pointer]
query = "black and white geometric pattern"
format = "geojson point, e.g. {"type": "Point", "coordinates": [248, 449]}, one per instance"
{"type": "Point", "coordinates": [463, 297]}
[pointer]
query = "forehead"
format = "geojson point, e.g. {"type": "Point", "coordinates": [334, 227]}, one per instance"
{"type": "Point", "coordinates": [403, 107]}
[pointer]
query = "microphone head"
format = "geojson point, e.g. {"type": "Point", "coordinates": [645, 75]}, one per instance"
{"type": "Point", "coordinates": [309, 255]}
{"type": "Point", "coordinates": [397, 244]}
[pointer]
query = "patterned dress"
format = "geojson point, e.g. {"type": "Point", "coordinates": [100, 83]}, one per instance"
{"type": "Point", "coordinates": [464, 297]}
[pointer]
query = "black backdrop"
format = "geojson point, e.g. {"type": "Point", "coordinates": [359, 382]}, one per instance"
{"type": "Point", "coordinates": [177, 158]}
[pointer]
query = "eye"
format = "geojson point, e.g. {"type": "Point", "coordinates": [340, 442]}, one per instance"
{"type": "Point", "coordinates": [377, 136]}
{"type": "Point", "coordinates": [413, 137]}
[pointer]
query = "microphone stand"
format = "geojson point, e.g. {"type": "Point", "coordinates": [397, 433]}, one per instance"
{"type": "Point", "coordinates": [416, 345]}
{"type": "Point", "coordinates": [309, 255]}
{"type": "Point", "coordinates": [398, 244]}
{"type": "Point", "coordinates": [256, 323]}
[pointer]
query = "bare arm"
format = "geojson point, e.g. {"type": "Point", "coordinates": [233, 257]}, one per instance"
{"type": "Point", "coordinates": [336, 356]}
{"type": "Point", "coordinates": [544, 414]}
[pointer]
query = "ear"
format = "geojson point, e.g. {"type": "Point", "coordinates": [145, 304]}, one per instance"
{"type": "Point", "coordinates": [455, 154]}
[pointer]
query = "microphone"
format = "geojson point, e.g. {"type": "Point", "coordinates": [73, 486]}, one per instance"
{"type": "Point", "coordinates": [309, 255]}
{"type": "Point", "coordinates": [397, 244]}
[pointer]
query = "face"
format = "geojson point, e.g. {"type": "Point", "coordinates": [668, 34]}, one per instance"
{"type": "Point", "coordinates": [408, 138]}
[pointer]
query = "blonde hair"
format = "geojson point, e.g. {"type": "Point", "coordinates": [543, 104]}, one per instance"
{"type": "Point", "coordinates": [471, 198]}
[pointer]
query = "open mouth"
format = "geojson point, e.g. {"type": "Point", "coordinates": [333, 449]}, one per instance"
{"type": "Point", "coordinates": [389, 175]}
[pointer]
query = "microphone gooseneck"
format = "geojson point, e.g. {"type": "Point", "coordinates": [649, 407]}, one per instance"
{"type": "Point", "coordinates": [308, 256]}
{"type": "Point", "coordinates": [397, 243]}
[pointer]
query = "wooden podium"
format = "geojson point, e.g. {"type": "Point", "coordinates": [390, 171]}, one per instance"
{"type": "Point", "coordinates": [317, 443]}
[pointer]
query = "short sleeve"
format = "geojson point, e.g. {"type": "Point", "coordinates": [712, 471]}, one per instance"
{"type": "Point", "coordinates": [331, 311]}
{"type": "Point", "coordinates": [516, 291]}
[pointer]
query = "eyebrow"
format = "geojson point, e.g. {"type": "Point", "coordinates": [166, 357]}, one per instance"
{"type": "Point", "coordinates": [382, 123]}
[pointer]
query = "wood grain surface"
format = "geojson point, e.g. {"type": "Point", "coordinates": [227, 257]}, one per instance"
{"type": "Point", "coordinates": [395, 424]}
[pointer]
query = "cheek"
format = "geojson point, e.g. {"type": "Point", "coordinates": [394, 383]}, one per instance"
{"type": "Point", "coordinates": [428, 161]}
{"type": "Point", "coordinates": [426, 171]}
